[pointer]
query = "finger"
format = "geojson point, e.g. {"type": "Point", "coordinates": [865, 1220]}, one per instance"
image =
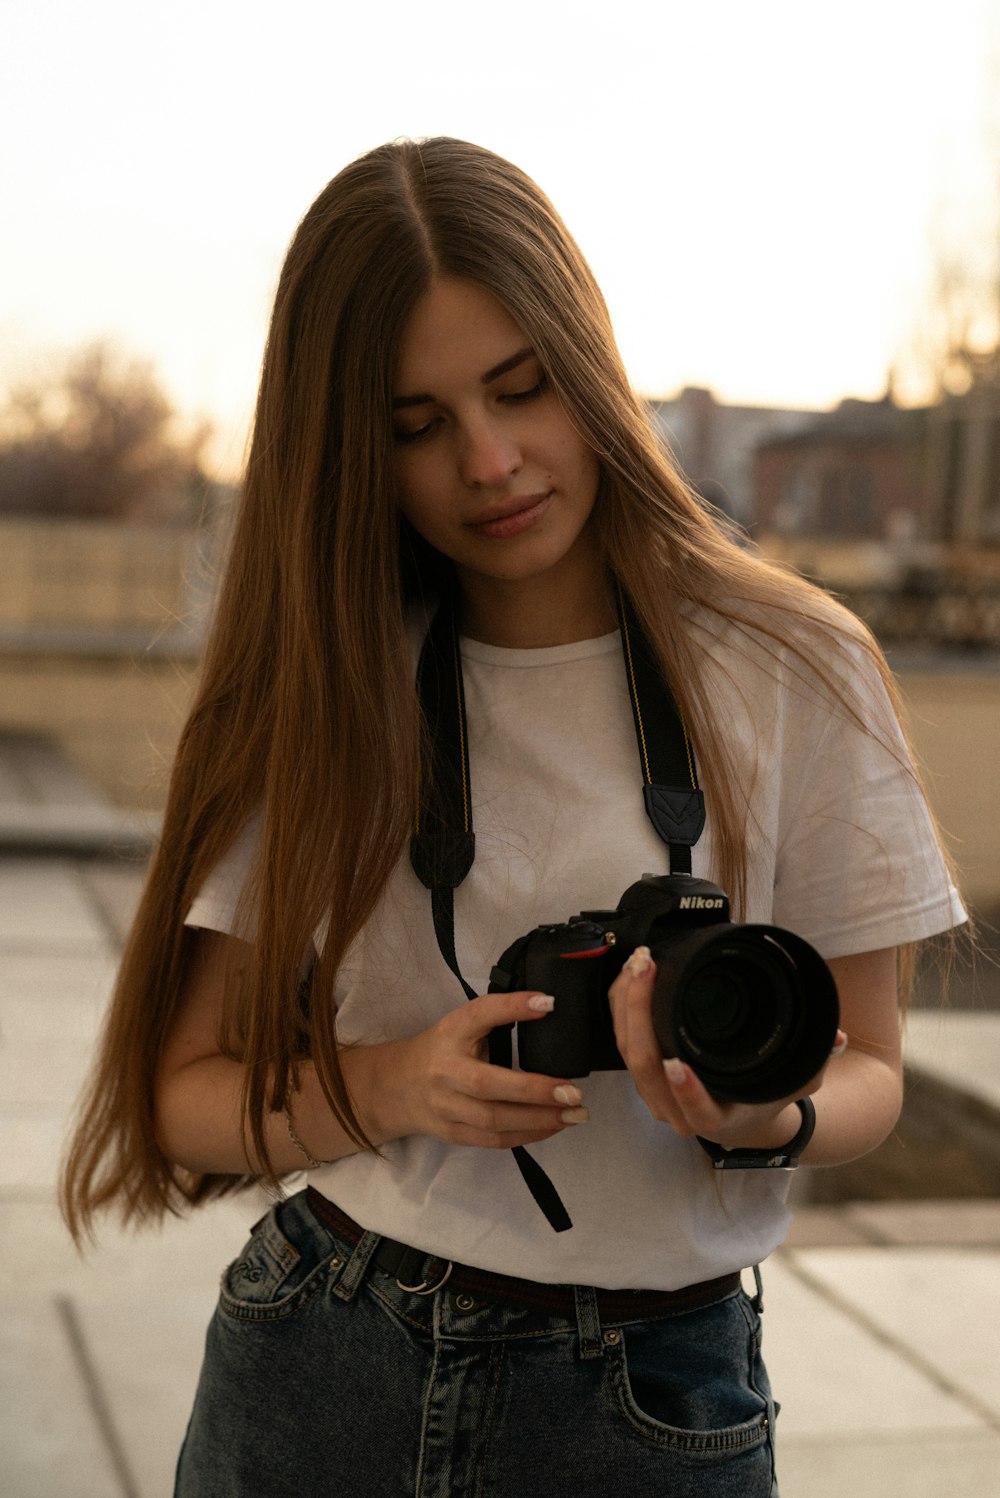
{"type": "Point", "coordinates": [631, 999]}
{"type": "Point", "coordinates": [483, 1081]}
{"type": "Point", "coordinates": [634, 1009]}
{"type": "Point", "coordinates": [493, 1125]}
{"type": "Point", "coordinates": [698, 1111]}
{"type": "Point", "coordinates": [725, 1122]}
{"type": "Point", "coordinates": [477, 1139]}
{"type": "Point", "coordinates": [507, 1118]}
{"type": "Point", "coordinates": [629, 995]}
{"type": "Point", "coordinates": [481, 1015]}
{"type": "Point", "coordinates": [473, 1074]}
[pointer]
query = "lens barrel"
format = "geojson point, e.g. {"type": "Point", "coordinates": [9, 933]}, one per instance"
{"type": "Point", "coordinates": [753, 1010]}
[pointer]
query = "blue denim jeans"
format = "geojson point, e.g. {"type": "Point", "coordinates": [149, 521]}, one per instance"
{"type": "Point", "coordinates": [323, 1379]}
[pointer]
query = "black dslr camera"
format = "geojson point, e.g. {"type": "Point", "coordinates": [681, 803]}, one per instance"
{"type": "Point", "coordinates": [752, 1009]}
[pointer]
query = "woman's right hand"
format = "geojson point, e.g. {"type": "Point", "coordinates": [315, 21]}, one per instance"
{"type": "Point", "coordinates": [439, 1083]}
{"type": "Point", "coordinates": [442, 1083]}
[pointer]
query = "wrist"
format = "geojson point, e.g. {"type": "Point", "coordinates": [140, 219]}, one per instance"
{"type": "Point", "coordinates": [375, 1079]}
{"type": "Point", "coordinates": [310, 1124]}
{"type": "Point", "coordinates": [776, 1132]}
{"type": "Point", "coordinates": [308, 1159]}
{"type": "Point", "coordinates": [784, 1155]}
{"type": "Point", "coordinates": [304, 1122]}
{"type": "Point", "coordinates": [759, 1131]}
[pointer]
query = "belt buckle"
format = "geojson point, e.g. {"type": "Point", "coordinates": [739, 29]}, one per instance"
{"type": "Point", "coordinates": [424, 1288]}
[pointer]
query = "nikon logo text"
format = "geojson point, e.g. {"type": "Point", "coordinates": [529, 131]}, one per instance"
{"type": "Point", "coordinates": [699, 902]}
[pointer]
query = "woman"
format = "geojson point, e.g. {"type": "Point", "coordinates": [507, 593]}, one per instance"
{"type": "Point", "coordinates": [443, 415]}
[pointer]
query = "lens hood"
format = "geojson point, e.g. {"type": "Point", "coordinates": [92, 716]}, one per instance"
{"type": "Point", "coordinates": [753, 1010]}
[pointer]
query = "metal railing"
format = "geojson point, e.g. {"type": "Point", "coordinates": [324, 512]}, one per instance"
{"type": "Point", "coordinates": [944, 616]}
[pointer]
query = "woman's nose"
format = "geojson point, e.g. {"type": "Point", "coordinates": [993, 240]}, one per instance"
{"type": "Point", "coordinates": [489, 456]}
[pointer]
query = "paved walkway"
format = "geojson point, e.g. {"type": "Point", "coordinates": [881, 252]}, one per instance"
{"type": "Point", "coordinates": [881, 1320]}
{"type": "Point", "coordinates": [46, 806]}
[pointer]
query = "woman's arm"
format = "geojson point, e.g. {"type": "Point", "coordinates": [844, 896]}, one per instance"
{"type": "Point", "coordinates": [436, 1083]}
{"type": "Point", "coordinates": [857, 1095]}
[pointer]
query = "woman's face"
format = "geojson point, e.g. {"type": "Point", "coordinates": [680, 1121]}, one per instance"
{"type": "Point", "coordinates": [489, 468]}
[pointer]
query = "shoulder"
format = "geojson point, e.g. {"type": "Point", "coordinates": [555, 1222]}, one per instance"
{"type": "Point", "coordinates": [220, 903]}
{"type": "Point", "coordinates": [825, 661]}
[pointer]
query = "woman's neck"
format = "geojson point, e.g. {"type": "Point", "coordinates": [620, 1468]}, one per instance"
{"type": "Point", "coordinates": [530, 614]}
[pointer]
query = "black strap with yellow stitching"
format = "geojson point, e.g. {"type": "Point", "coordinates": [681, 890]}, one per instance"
{"type": "Point", "coordinates": [443, 846]}
{"type": "Point", "coordinates": [674, 804]}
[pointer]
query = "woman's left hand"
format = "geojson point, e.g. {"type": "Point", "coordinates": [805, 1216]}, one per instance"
{"type": "Point", "coordinates": [671, 1090]}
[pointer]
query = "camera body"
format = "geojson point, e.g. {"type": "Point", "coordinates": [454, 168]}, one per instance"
{"type": "Point", "coordinates": [752, 1009]}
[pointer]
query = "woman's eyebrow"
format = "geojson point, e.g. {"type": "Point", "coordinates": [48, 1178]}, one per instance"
{"type": "Point", "coordinates": [399, 402]}
{"type": "Point", "coordinates": [507, 364]}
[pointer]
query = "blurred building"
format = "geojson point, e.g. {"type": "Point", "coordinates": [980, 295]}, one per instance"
{"type": "Point", "coordinates": [872, 470]}
{"type": "Point", "coordinates": [865, 471]}
{"type": "Point", "coordinates": [715, 445]}
{"type": "Point", "coordinates": [897, 509]}
{"type": "Point", "coordinates": [854, 472]}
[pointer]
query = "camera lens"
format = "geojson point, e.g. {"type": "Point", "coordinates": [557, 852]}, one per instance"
{"type": "Point", "coordinates": [752, 1009]}
{"type": "Point", "coordinates": [717, 1007]}
{"type": "Point", "coordinates": [736, 1008]}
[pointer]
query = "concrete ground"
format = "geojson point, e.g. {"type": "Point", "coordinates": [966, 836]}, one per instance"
{"type": "Point", "coordinates": [881, 1318]}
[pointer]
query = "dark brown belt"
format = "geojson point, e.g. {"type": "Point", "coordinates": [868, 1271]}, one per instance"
{"type": "Point", "coordinates": [423, 1273]}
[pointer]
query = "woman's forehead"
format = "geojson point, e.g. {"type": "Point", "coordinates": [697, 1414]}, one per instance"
{"type": "Point", "coordinates": [457, 329]}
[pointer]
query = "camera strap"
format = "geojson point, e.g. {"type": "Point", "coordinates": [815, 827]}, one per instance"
{"type": "Point", "coordinates": [674, 804]}
{"type": "Point", "coordinates": [443, 845]}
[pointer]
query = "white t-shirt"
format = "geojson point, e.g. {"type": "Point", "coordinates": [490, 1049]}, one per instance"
{"type": "Point", "coordinates": [842, 853]}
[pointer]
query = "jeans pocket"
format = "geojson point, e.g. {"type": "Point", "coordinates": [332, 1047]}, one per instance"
{"type": "Point", "coordinates": [695, 1383]}
{"type": "Point", "coordinates": [284, 1261]}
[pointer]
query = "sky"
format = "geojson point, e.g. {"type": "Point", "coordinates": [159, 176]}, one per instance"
{"type": "Point", "coordinates": [754, 184]}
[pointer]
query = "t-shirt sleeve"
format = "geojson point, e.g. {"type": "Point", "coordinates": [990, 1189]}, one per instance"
{"type": "Point", "coordinates": [217, 905]}
{"type": "Point", "coordinates": [858, 862]}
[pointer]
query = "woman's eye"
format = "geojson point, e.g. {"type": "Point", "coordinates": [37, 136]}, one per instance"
{"type": "Point", "coordinates": [530, 394]}
{"type": "Point", "coordinates": [413, 434]}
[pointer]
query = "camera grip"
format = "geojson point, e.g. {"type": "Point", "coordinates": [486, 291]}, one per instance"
{"type": "Point", "coordinates": [558, 1044]}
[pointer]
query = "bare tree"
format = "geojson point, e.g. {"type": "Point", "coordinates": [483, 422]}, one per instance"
{"type": "Point", "coordinates": [959, 343]}
{"type": "Point", "coordinates": [956, 343]}
{"type": "Point", "coordinates": [100, 440]}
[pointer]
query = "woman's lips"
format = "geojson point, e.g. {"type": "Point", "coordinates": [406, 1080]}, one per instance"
{"type": "Point", "coordinates": [513, 522]}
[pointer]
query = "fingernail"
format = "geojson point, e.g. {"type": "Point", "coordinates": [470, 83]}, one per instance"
{"type": "Point", "coordinates": [674, 1070]}
{"type": "Point", "coordinates": [575, 1115]}
{"type": "Point", "coordinates": [840, 1043]}
{"type": "Point", "coordinates": [640, 962]}
{"type": "Point", "coordinates": [541, 1003]}
{"type": "Point", "coordinates": [567, 1093]}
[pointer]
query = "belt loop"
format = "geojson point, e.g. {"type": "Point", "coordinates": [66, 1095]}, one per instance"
{"type": "Point", "coordinates": [758, 1300]}
{"type": "Point", "coordinates": [588, 1321]}
{"type": "Point", "coordinates": [352, 1276]}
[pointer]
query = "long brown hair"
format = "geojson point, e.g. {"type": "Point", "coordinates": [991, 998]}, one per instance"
{"type": "Point", "coordinates": [306, 711]}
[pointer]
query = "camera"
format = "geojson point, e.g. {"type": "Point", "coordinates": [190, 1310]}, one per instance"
{"type": "Point", "coordinates": [751, 1009]}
